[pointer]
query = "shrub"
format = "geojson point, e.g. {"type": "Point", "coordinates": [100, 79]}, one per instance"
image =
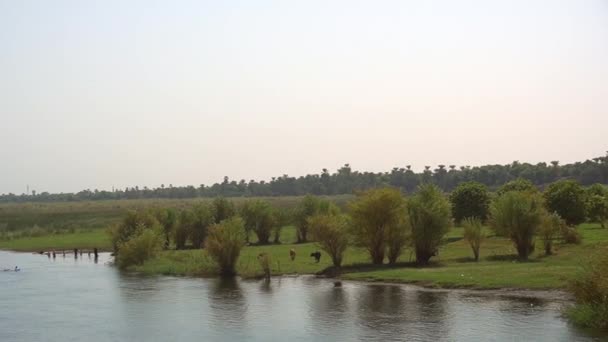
{"type": "Point", "coordinates": [259, 217]}
{"type": "Point", "coordinates": [139, 248]}
{"type": "Point", "coordinates": [470, 199]}
{"type": "Point", "coordinates": [202, 218]}
{"type": "Point", "coordinates": [567, 198]}
{"type": "Point", "coordinates": [330, 233]}
{"type": "Point", "coordinates": [430, 219]}
{"type": "Point", "coordinates": [224, 244]}
{"type": "Point", "coordinates": [519, 184]}
{"type": "Point", "coordinates": [518, 215]}
{"type": "Point", "coordinates": [184, 228]}
{"type": "Point", "coordinates": [590, 290]}
{"type": "Point", "coordinates": [374, 213]}
{"type": "Point", "coordinates": [222, 209]}
{"type": "Point", "coordinates": [131, 225]}
{"type": "Point", "coordinates": [473, 233]}
{"type": "Point", "coordinates": [570, 235]}
{"type": "Point", "coordinates": [168, 220]}
{"type": "Point", "coordinates": [310, 206]}
{"type": "Point", "coordinates": [597, 209]}
{"type": "Point", "coordinates": [551, 226]}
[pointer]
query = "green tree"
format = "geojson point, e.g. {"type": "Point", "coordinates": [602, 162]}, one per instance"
{"type": "Point", "coordinates": [567, 198]}
{"type": "Point", "coordinates": [374, 213]}
{"type": "Point", "coordinates": [132, 224]}
{"type": "Point", "coordinates": [551, 226]}
{"type": "Point", "coordinates": [518, 215]}
{"type": "Point", "coordinates": [222, 209]}
{"type": "Point", "coordinates": [519, 184]}
{"type": "Point", "coordinates": [259, 217]}
{"type": "Point", "coordinates": [430, 219]}
{"type": "Point", "coordinates": [140, 247]}
{"type": "Point", "coordinates": [201, 220]}
{"type": "Point", "coordinates": [398, 237]}
{"type": "Point", "coordinates": [224, 244]}
{"type": "Point", "coordinates": [168, 220]}
{"type": "Point", "coordinates": [473, 234]}
{"type": "Point", "coordinates": [597, 209]}
{"type": "Point", "coordinates": [308, 207]}
{"type": "Point", "coordinates": [330, 233]}
{"type": "Point", "coordinates": [470, 199]}
{"type": "Point", "coordinates": [184, 228]}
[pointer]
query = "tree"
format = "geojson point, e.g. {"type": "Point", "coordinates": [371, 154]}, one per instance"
{"type": "Point", "coordinates": [473, 234]}
{"type": "Point", "coordinates": [283, 217]}
{"type": "Point", "coordinates": [597, 209]}
{"type": "Point", "coordinates": [140, 247]}
{"type": "Point", "coordinates": [519, 184]}
{"type": "Point", "coordinates": [184, 228]}
{"type": "Point", "coordinates": [258, 217]}
{"type": "Point", "coordinates": [566, 198]}
{"type": "Point", "coordinates": [518, 215]}
{"type": "Point", "coordinates": [397, 238]}
{"type": "Point", "coordinates": [168, 220]}
{"type": "Point", "coordinates": [310, 206]}
{"type": "Point", "coordinates": [222, 209]}
{"type": "Point", "coordinates": [132, 224]}
{"type": "Point", "coordinates": [330, 233]}
{"type": "Point", "coordinates": [551, 225]}
{"type": "Point", "coordinates": [374, 213]}
{"type": "Point", "coordinates": [470, 199]}
{"type": "Point", "coordinates": [224, 244]}
{"type": "Point", "coordinates": [430, 219]}
{"type": "Point", "coordinates": [202, 219]}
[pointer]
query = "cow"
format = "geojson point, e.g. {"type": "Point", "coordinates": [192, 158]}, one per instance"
{"type": "Point", "coordinates": [316, 255]}
{"type": "Point", "coordinates": [292, 254]}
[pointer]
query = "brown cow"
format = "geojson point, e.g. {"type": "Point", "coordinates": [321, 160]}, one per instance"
{"type": "Point", "coordinates": [292, 254]}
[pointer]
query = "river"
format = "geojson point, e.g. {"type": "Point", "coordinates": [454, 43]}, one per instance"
{"type": "Point", "coordinates": [67, 299]}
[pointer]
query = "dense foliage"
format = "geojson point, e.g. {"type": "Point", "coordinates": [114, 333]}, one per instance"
{"type": "Point", "coordinates": [224, 244]}
{"type": "Point", "coordinates": [346, 181]}
{"type": "Point", "coordinates": [259, 217]}
{"type": "Point", "coordinates": [566, 198]}
{"type": "Point", "coordinates": [375, 213]}
{"type": "Point", "coordinates": [518, 215]}
{"type": "Point", "coordinates": [590, 290]}
{"type": "Point", "coordinates": [430, 219]}
{"type": "Point", "coordinates": [308, 207]}
{"type": "Point", "coordinates": [470, 199]}
{"type": "Point", "coordinates": [330, 231]}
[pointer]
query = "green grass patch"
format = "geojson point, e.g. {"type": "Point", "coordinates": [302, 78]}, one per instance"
{"type": "Point", "coordinates": [82, 240]}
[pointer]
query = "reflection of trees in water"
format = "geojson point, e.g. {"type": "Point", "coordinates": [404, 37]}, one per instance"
{"type": "Point", "coordinates": [329, 304]}
{"type": "Point", "coordinates": [227, 302]}
{"type": "Point", "coordinates": [391, 312]}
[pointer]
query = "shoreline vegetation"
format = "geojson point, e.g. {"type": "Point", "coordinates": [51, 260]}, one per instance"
{"type": "Point", "coordinates": [517, 237]}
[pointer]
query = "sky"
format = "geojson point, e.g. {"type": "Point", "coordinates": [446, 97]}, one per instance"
{"type": "Point", "coordinates": [102, 94]}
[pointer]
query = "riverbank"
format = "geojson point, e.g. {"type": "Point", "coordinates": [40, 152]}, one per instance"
{"type": "Point", "coordinates": [453, 268]}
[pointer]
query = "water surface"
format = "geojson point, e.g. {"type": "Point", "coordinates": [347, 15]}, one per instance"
{"type": "Point", "coordinates": [67, 299]}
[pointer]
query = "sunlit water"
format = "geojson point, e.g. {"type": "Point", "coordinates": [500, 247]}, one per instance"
{"type": "Point", "coordinates": [79, 300]}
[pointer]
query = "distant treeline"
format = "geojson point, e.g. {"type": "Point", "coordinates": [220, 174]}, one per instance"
{"type": "Point", "coordinates": [347, 181]}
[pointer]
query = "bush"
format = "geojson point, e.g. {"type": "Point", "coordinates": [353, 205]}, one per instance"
{"type": "Point", "coordinates": [141, 247]}
{"type": "Point", "coordinates": [330, 233]}
{"type": "Point", "coordinates": [567, 198]}
{"type": "Point", "coordinates": [183, 228]}
{"type": "Point", "coordinates": [222, 209]}
{"type": "Point", "coordinates": [259, 217]}
{"type": "Point", "coordinates": [570, 235]}
{"type": "Point", "coordinates": [519, 184]}
{"type": "Point", "coordinates": [430, 219]}
{"type": "Point", "coordinates": [551, 226]}
{"type": "Point", "coordinates": [597, 209]}
{"type": "Point", "coordinates": [518, 215]}
{"type": "Point", "coordinates": [168, 220]}
{"type": "Point", "coordinates": [470, 199]}
{"type": "Point", "coordinates": [202, 218]}
{"type": "Point", "coordinates": [473, 233]}
{"type": "Point", "coordinates": [590, 290]}
{"type": "Point", "coordinates": [224, 244]}
{"type": "Point", "coordinates": [374, 213]}
{"type": "Point", "coordinates": [131, 225]}
{"type": "Point", "coordinates": [308, 207]}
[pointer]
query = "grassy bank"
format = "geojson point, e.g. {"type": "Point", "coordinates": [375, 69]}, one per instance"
{"type": "Point", "coordinates": [453, 267]}
{"type": "Point", "coordinates": [96, 238]}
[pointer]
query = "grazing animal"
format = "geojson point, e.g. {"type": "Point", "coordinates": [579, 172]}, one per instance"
{"type": "Point", "coordinates": [292, 254]}
{"type": "Point", "coordinates": [316, 255]}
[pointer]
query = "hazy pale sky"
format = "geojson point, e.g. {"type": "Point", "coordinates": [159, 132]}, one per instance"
{"type": "Point", "coordinates": [95, 94]}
